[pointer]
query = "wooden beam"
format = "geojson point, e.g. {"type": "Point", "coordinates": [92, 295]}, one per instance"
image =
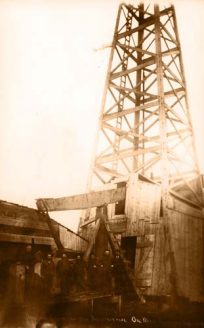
{"type": "Point", "coordinates": [168, 33]}
{"type": "Point", "coordinates": [118, 131]}
{"type": "Point", "coordinates": [89, 222]}
{"type": "Point", "coordinates": [129, 54]}
{"type": "Point", "coordinates": [146, 22]}
{"type": "Point", "coordinates": [127, 95]}
{"type": "Point", "coordinates": [147, 164]}
{"type": "Point", "coordinates": [54, 231]}
{"type": "Point", "coordinates": [115, 149]}
{"type": "Point", "coordinates": [174, 51]}
{"type": "Point", "coordinates": [98, 176]}
{"type": "Point", "coordinates": [126, 153]}
{"type": "Point", "coordinates": [170, 109]}
{"type": "Point", "coordinates": [133, 89]}
{"type": "Point", "coordinates": [109, 171]}
{"type": "Point", "coordinates": [176, 79]}
{"type": "Point", "coordinates": [143, 51]}
{"type": "Point", "coordinates": [83, 201]}
{"type": "Point", "coordinates": [146, 62]}
{"type": "Point", "coordinates": [122, 60]}
{"type": "Point", "coordinates": [174, 92]}
{"type": "Point", "coordinates": [124, 112]}
{"type": "Point", "coordinates": [143, 138]}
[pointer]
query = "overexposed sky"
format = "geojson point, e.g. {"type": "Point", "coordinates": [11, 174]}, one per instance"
{"type": "Point", "coordinates": [51, 84]}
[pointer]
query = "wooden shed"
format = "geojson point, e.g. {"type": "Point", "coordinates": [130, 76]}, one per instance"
{"type": "Point", "coordinates": [21, 225]}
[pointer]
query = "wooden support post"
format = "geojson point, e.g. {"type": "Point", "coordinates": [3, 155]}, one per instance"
{"type": "Point", "coordinates": [164, 158]}
{"type": "Point", "coordinates": [119, 304]}
{"type": "Point", "coordinates": [139, 85]}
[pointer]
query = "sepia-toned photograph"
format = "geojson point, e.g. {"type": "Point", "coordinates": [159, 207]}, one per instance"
{"type": "Point", "coordinates": [101, 163]}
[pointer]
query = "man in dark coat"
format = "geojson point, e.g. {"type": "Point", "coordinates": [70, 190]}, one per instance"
{"type": "Point", "coordinates": [117, 273]}
{"type": "Point", "coordinates": [106, 272]}
{"type": "Point", "coordinates": [47, 272]}
{"type": "Point", "coordinates": [63, 273]}
{"type": "Point", "coordinates": [80, 274]}
{"type": "Point", "coordinates": [37, 282]}
{"type": "Point", "coordinates": [28, 260]}
{"type": "Point", "coordinates": [92, 271]}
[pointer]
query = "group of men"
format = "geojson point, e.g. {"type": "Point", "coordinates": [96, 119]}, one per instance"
{"type": "Point", "coordinates": [39, 277]}
{"type": "Point", "coordinates": [107, 274]}
{"type": "Point", "coordinates": [52, 274]}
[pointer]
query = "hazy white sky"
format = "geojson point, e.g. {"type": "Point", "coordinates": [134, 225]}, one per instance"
{"type": "Point", "coordinates": [51, 83]}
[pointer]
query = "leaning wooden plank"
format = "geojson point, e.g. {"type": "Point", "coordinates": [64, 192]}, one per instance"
{"type": "Point", "coordinates": [92, 240]}
{"type": "Point", "coordinates": [54, 229]}
{"type": "Point", "coordinates": [83, 201]}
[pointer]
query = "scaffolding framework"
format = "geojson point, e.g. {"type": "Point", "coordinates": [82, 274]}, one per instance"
{"type": "Point", "coordinates": [145, 124]}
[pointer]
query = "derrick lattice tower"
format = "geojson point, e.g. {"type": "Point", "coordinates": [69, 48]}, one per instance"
{"type": "Point", "coordinates": [145, 125]}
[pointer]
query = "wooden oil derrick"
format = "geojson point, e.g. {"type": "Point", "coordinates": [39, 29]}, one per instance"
{"type": "Point", "coordinates": [145, 125]}
{"type": "Point", "coordinates": [145, 138]}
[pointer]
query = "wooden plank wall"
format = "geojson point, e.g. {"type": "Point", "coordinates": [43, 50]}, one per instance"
{"type": "Point", "coordinates": [160, 283]}
{"type": "Point", "coordinates": [186, 227]}
{"type": "Point", "coordinates": [144, 260]}
{"type": "Point", "coordinates": [187, 239]}
{"type": "Point", "coordinates": [142, 207]}
{"type": "Point", "coordinates": [188, 246]}
{"type": "Point", "coordinates": [21, 224]}
{"type": "Point", "coordinates": [71, 241]}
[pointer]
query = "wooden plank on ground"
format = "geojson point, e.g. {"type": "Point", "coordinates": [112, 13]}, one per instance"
{"type": "Point", "coordinates": [83, 201]}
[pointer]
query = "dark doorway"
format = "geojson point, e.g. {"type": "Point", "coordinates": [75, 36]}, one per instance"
{"type": "Point", "coordinates": [120, 206]}
{"type": "Point", "coordinates": [128, 245]}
